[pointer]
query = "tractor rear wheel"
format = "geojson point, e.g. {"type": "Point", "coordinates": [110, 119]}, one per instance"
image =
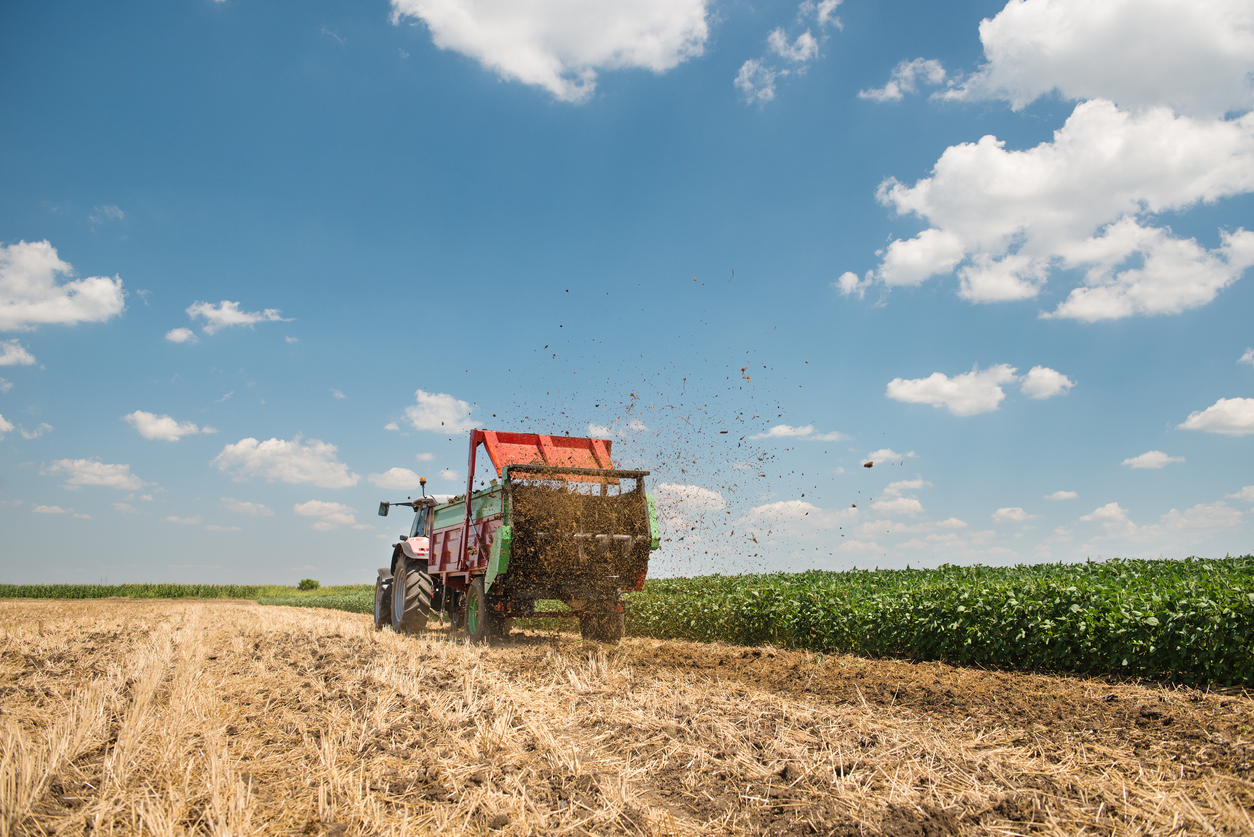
{"type": "Point", "coordinates": [411, 596]}
{"type": "Point", "coordinates": [382, 603]}
{"type": "Point", "coordinates": [482, 623]}
{"type": "Point", "coordinates": [601, 627]}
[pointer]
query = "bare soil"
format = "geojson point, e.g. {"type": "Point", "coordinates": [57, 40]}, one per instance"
{"type": "Point", "coordinates": [121, 717]}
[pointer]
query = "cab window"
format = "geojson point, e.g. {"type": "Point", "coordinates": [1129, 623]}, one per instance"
{"type": "Point", "coordinates": [419, 529]}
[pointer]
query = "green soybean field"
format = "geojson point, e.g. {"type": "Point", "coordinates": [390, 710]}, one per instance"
{"type": "Point", "coordinates": [1190, 621]}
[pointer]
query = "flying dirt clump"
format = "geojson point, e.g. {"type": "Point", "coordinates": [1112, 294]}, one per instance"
{"type": "Point", "coordinates": [694, 434]}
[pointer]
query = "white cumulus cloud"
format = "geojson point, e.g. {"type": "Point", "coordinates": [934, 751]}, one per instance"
{"type": "Point", "coordinates": [1151, 459]}
{"type": "Point", "coordinates": [887, 455]}
{"type": "Point", "coordinates": [898, 505]}
{"type": "Point", "coordinates": [1248, 357]}
{"type": "Point", "coordinates": [227, 314]}
{"type": "Point", "coordinates": [50, 510]}
{"type": "Point", "coordinates": [849, 284]}
{"type": "Point", "coordinates": [330, 515]}
{"type": "Point", "coordinates": [1190, 526]}
{"type": "Point", "coordinates": [1043, 382]}
{"type": "Point", "coordinates": [912, 261]}
{"type": "Point", "coordinates": [682, 505]}
{"type": "Point", "coordinates": [162, 427]}
{"type": "Point", "coordinates": [1155, 81]}
{"type": "Point", "coordinates": [1081, 202]}
{"type": "Point", "coordinates": [181, 335]}
{"type": "Point", "coordinates": [30, 295]}
{"type": "Point", "coordinates": [1197, 58]}
{"type": "Point", "coordinates": [1062, 495]}
{"type": "Point", "coordinates": [857, 547]}
{"type": "Point", "coordinates": [6, 426]}
{"type": "Point", "coordinates": [786, 431]}
{"type": "Point", "coordinates": [246, 507]}
{"type": "Point", "coordinates": [797, 517]}
{"type": "Point", "coordinates": [561, 46]}
{"type": "Point", "coordinates": [81, 472]}
{"type": "Point", "coordinates": [440, 412]}
{"type": "Point", "coordinates": [1229, 416]}
{"type": "Point", "coordinates": [1012, 514]}
{"type": "Point", "coordinates": [1246, 494]}
{"type": "Point", "coordinates": [13, 353]}
{"type": "Point", "coordinates": [895, 489]}
{"type": "Point", "coordinates": [279, 460]}
{"type": "Point", "coordinates": [963, 395]}
{"type": "Point", "coordinates": [905, 78]}
{"type": "Point", "coordinates": [395, 479]}
{"type": "Point", "coordinates": [895, 501]}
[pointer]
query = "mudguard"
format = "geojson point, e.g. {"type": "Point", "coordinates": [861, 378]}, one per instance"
{"type": "Point", "coordinates": [385, 573]}
{"type": "Point", "coordinates": [417, 549]}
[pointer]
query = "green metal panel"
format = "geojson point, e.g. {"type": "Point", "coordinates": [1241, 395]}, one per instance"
{"type": "Point", "coordinates": [498, 558]}
{"type": "Point", "coordinates": [486, 503]}
{"type": "Point", "coordinates": [655, 535]}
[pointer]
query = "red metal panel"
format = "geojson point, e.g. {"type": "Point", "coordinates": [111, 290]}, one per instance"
{"type": "Point", "coordinates": [537, 449]}
{"type": "Point", "coordinates": [601, 451]}
{"type": "Point", "coordinates": [445, 549]}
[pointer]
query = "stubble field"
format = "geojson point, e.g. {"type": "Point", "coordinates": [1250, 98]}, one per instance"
{"type": "Point", "coordinates": [225, 717]}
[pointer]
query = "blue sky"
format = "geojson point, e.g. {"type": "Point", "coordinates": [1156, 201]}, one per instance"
{"type": "Point", "coordinates": [254, 254]}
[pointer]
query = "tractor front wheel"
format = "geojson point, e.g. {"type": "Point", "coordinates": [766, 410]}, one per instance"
{"type": "Point", "coordinates": [411, 596]}
{"type": "Point", "coordinates": [482, 623]}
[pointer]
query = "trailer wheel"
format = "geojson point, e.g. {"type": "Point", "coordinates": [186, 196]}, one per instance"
{"type": "Point", "coordinates": [382, 603]}
{"type": "Point", "coordinates": [411, 596]}
{"type": "Point", "coordinates": [601, 627]}
{"type": "Point", "coordinates": [482, 623]}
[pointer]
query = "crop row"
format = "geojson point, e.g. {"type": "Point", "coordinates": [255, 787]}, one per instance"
{"type": "Point", "coordinates": [354, 601]}
{"type": "Point", "coordinates": [1189, 621]}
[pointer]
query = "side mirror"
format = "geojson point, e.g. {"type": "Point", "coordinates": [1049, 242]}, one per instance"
{"type": "Point", "coordinates": [383, 509]}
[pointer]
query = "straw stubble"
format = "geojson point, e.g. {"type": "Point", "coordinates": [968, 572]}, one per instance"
{"type": "Point", "coordinates": [227, 718]}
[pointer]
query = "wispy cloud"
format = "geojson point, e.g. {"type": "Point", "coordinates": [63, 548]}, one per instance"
{"type": "Point", "coordinates": [785, 431]}
{"type": "Point", "coordinates": [93, 472]}
{"type": "Point", "coordinates": [227, 314]}
{"type": "Point", "coordinates": [1152, 459]}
